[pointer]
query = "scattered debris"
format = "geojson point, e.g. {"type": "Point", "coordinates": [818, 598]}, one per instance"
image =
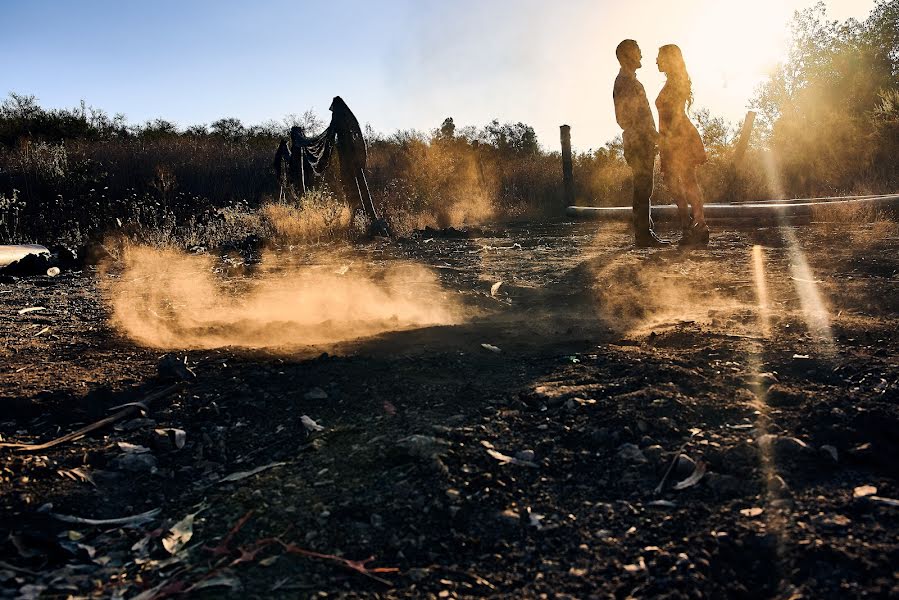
{"type": "Point", "coordinates": [423, 446]}
{"type": "Point", "coordinates": [491, 348]}
{"type": "Point", "coordinates": [77, 474]}
{"type": "Point", "coordinates": [310, 425]}
{"type": "Point", "coordinates": [171, 367]}
{"type": "Point", "coordinates": [535, 520]}
{"type": "Point", "coordinates": [494, 289]}
{"type": "Point", "coordinates": [131, 448]}
{"type": "Point", "coordinates": [128, 410]}
{"type": "Point", "coordinates": [32, 309]}
{"type": "Point", "coordinates": [752, 512]}
{"type": "Point", "coordinates": [239, 475]}
{"type": "Point", "coordinates": [180, 533]}
{"type": "Point", "coordinates": [132, 521]}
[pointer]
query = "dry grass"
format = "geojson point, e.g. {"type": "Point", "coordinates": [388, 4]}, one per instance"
{"type": "Point", "coordinates": [317, 217]}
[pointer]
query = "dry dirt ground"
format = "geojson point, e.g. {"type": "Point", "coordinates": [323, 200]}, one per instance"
{"type": "Point", "coordinates": [531, 471]}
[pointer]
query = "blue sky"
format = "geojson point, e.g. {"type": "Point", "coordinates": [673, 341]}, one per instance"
{"type": "Point", "coordinates": [399, 64]}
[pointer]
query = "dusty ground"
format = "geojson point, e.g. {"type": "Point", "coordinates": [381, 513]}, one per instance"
{"type": "Point", "coordinates": [611, 362]}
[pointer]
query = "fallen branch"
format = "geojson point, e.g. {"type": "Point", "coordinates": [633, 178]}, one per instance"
{"type": "Point", "coordinates": [224, 547]}
{"type": "Point", "coordinates": [668, 471]}
{"type": "Point", "coordinates": [354, 565]}
{"type": "Point", "coordinates": [127, 411]}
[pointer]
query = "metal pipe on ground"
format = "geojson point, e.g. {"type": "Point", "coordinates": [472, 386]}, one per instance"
{"type": "Point", "coordinates": [768, 210]}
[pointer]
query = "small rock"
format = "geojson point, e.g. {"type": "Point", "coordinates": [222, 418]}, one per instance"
{"type": "Point", "coordinates": [423, 446]}
{"type": "Point", "coordinates": [527, 455]}
{"type": "Point", "coordinates": [631, 453]}
{"type": "Point", "coordinates": [722, 484]}
{"type": "Point", "coordinates": [831, 521]}
{"type": "Point", "coordinates": [174, 368]}
{"type": "Point", "coordinates": [316, 393]}
{"type": "Point", "coordinates": [509, 517]}
{"type": "Point", "coordinates": [142, 462]}
{"type": "Point", "coordinates": [783, 445]}
{"type": "Point", "coordinates": [831, 452]}
{"type": "Point", "coordinates": [601, 437]}
{"type": "Point", "coordinates": [764, 380]}
{"type": "Point", "coordinates": [653, 453]}
{"type": "Point", "coordinates": [777, 485]}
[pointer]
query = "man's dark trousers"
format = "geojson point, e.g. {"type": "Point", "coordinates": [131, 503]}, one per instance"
{"type": "Point", "coordinates": [642, 163]}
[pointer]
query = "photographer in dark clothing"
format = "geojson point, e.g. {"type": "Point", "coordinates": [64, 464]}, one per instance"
{"type": "Point", "coordinates": [641, 138]}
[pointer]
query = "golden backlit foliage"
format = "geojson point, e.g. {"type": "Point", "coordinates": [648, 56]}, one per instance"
{"type": "Point", "coordinates": [830, 112]}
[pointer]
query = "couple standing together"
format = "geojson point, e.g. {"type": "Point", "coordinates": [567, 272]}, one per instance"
{"type": "Point", "coordinates": [676, 140]}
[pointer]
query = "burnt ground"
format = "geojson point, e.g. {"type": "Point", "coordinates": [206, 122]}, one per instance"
{"type": "Point", "coordinates": [611, 362]}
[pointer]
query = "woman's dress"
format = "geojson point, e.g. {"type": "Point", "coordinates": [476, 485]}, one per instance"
{"type": "Point", "coordinates": [680, 146]}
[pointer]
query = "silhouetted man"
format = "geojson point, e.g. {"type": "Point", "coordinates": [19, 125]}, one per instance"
{"type": "Point", "coordinates": [640, 139]}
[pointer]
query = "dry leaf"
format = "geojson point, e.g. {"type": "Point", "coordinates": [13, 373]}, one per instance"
{"type": "Point", "coordinates": [504, 458]}
{"type": "Point", "coordinates": [693, 479]}
{"type": "Point", "coordinates": [244, 474]}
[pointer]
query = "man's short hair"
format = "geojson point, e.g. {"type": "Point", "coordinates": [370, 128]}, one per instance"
{"type": "Point", "coordinates": [625, 48]}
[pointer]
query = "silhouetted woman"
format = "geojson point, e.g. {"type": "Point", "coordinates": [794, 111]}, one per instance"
{"type": "Point", "coordinates": [680, 146]}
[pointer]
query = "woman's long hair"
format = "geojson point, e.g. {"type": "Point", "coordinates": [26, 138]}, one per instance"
{"type": "Point", "coordinates": [677, 71]}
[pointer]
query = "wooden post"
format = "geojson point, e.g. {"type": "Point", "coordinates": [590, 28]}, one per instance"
{"type": "Point", "coordinates": [745, 134]}
{"type": "Point", "coordinates": [734, 191]}
{"type": "Point", "coordinates": [567, 169]}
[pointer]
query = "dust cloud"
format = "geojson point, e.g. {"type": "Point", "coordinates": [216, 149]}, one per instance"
{"type": "Point", "coordinates": [635, 296]}
{"type": "Point", "coordinates": [170, 300]}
